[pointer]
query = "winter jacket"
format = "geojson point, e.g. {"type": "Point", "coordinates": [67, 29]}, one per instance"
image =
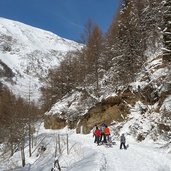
{"type": "Point", "coordinates": [102, 129]}
{"type": "Point", "coordinates": [107, 131]}
{"type": "Point", "coordinates": [97, 132]}
{"type": "Point", "coordinates": [123, 140]}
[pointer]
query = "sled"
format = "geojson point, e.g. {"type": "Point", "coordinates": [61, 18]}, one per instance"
{"type": "Point", "coordinates": [110, 144]}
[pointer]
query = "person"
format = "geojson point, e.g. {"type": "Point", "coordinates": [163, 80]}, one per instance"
{"type": "Point", "coordinates": [107, 133]}
{"type": "Point", "coordinates": [43, 148]}
{"type": "Point", "coordinates": [40, 150]}
{"type": "Point", "coordinates": [122, 141]}
{"type": "Point", "coordinates": [102, 137]}
{"type": "Point", "coordinates": [97, 134]}
{"type": "Point", "coordinates": [94, 129]}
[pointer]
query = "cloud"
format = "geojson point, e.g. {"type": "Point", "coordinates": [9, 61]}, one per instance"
{"type": "Point", "coordinates": [75, 24]}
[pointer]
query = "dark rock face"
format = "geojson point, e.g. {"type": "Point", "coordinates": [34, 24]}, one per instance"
{"type": "Point", "coordinates": [5, 71]}
{"type": "Point", "coordinates": [163, 127]}
{"type": "Point", "coordinates": [6, 43]}
{"type": "Point", "coordinates": [111, 109]}
{"type": "Point", "coordinates": [53, 122]}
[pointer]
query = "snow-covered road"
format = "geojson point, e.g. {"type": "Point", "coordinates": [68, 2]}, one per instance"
{"type": "Point", "coordinates": [136, 157]}
{"type": "Point", "coordinates": [85, 155]}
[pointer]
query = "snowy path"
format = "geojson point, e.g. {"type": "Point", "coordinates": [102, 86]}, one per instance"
{"type": "Point", "coordinates": [87, 156]}
{"type": "Point", "coordinates": [137, 157]}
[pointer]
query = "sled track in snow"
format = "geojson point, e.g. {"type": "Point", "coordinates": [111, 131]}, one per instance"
{"type": "Point", "coordinates": [135, 157]}
{"type": "Point", "coordinates": [154, 158]}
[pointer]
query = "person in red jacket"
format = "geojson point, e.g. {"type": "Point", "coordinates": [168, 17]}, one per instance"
{"type": "Point", "coordinates": [97, 135]}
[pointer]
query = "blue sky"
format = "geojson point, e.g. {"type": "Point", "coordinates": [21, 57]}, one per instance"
{"type": "Point", "coordinates": [65, 18]}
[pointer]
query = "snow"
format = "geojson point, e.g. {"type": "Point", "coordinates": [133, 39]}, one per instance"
{"type": "Point", "coordinates": [157, 74]}
{"type": "Point", "coordinates": [72, 104]}
{"type": "Point", "coordinates": [167, 104]}
{"type": "Point", "coordinates": [32, 52]}
{"type": "Point", "coordinates": [63, 104]}
{"type": "Point", "coordinates": [165, 49]}
{"type": "Point", "coordinates": [34, 38]}
{"type": "Point", "coordinates": [85, 155]}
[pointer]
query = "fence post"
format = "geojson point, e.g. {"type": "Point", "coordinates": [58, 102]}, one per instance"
{"type": "Point", "coordinates": [57, 164]}
{"type": "Point", "coordinates": [56, 143]}
{"type": "Point", "coordinates": [59, 143]}
{"type": "Point", "coordinates": [67, 144]}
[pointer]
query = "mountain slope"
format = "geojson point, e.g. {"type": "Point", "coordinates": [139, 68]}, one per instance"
{"type": "Point", "coordinates": [28, 53]}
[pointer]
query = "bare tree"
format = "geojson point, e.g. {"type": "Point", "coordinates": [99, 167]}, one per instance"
{"type": "Point", "coordinates": [88, 27]}
{"type": "Point", "coordinates": [93, 52]}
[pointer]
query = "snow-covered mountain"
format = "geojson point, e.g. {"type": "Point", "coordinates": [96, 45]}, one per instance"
{"type": "Point", "coordinates": [26, 54]}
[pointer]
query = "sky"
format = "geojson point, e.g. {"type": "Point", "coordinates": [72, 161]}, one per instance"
{"type": "Point", "coordinates": [65, 18]}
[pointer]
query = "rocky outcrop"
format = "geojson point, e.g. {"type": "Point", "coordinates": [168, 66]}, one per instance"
{"type": "Point", "coordinates": [164, 128]}
{"type": "Point", "coordinates": [109, 110]}
{"type": "Point", "coordinates": [114, 108]}
{"type": "Point", "coordinates": [6, 43]}
{"type": "Point", "coordinates": [54, 122]}
{"type": "Point", "coordinates": [5, 71]}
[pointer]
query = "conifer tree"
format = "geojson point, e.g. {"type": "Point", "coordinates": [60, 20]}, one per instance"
{"type": "Point", "coordinates": [167, 31]}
